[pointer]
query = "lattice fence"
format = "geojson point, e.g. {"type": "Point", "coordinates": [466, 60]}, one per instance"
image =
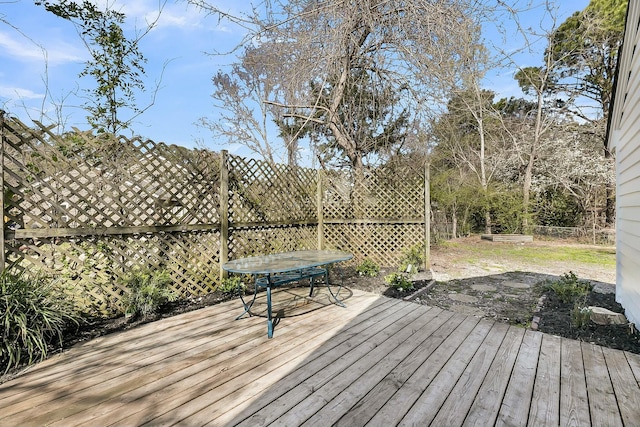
{"type": "Point", "coordinates": [264, 193]}
{"type": "Point", "coordinates": [283, 197]}
{"type": "Point", "coordinates": [378, 216]}
{"type": "Point", "coordinates": [90, 209]}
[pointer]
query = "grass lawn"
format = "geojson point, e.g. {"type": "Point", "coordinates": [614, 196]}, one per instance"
{"type": "Point", "coordinates": [544, 256]}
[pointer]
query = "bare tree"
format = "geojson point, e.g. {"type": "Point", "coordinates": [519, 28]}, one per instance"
{"type": "Point", "coordinates": [528, 127]}
{"type": "Point", "coordinates": [586, 45]}
{"type": "Point", "coordinates": [318, 51]}
{"type": "Point", "coordinates": [538, 82]}
{"type": "Point", "coordinates": [471, 141]}
{"type": "Point", "coordinates": [578, 166]}
{"type": "Point", "coordinates": [243, 116]}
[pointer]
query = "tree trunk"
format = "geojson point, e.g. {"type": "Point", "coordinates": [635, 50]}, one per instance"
{"type": "Point", "coordinates": [454, 224]}
{"type": "Point", "coordinates": [533, 154]}
{"type": "Point", "coordinates": [526, 194]}
{"type": "Point", "coordinates": [479, 116]}
{"type": "Point", "coordinates": [610, 194]}
{"type": "Point", "coordinates": [487, 221]}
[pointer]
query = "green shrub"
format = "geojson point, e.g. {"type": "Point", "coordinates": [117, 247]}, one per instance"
{"type": "Point", "coordinates": [368, 268]}
{"type": "Point", "coordinates": [569, 288]}
{"type": "Point", "coordinates": [34, 313]}
{"type": "Point", "coordinates": [412, 258]}
{"type": "Point", "coordinates": [505, 204]}
{"type": "Point", "coordinates": [400, 281]}
{"type": "Point", "coordinates": [231, 285]}
{"type": "Point", "coordinates": [148, 290]}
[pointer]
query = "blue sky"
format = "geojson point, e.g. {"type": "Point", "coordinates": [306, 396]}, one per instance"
{"type": "Point", "coordinates": [45, 51]}
{"type": "Point", "coordinates": [40, 52]}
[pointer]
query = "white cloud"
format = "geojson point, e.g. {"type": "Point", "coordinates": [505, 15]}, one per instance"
{"type": "Point", "coordinates": [172, 17]}
{"type": "Point", "coordinates": [143, 12]}
{"type": "Point", "coordinates": [183, 16]}
{"type": "Point", "coordinates": [27, 50]}
{"type": "Point", "coordinates": [19, 93]}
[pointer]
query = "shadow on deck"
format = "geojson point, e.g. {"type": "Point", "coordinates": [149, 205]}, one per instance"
{"type": "Point", "coordinates": [378, 362]}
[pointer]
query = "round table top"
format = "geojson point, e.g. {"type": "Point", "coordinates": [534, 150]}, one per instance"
{"type": "Point", "coordinates": [285, 261]}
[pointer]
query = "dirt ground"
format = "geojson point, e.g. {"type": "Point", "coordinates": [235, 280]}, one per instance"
{"type": "Point", "coordinates": [446, 265]}
{"type": "Point", "coordinates": [511, 290]}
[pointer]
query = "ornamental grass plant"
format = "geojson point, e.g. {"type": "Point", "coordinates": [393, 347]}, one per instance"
{"type": "Point", "coordinates": [34, 313]}
{"type": "Point", "coordinates": [147, 291]}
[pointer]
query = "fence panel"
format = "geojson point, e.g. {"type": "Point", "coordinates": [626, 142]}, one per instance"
{"type": "Point", "coordinates": [89, 209]}
{"type": "Point", "coordinates": [106, 182]}
{"type": "Point", "coordinates": [378, 216]}
{"type": "Point", "coordinates": [260, 193]}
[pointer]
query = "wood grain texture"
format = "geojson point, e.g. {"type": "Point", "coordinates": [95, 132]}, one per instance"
{"type": "Point", "coordinates": [545, 403]}
{"type": "Point", "coordinates": [574, 405]}
{"type": "Point", "coordinates": [516, 402]}
{"type": "Point", "coordinates": [602, 400]}
{"type": "Point", "coordinates": [624, 384]}
{"type": "Point", "coordinates": [378, 362]}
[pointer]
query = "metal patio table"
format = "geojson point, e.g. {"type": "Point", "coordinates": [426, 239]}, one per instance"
{"type": "Point", "coordinates": [270, 271]}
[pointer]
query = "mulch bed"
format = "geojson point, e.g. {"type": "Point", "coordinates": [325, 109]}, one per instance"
{"type": "Point", "coordinates": [555, 318]}
{"type": "Point", "coordinates": [418, 286]}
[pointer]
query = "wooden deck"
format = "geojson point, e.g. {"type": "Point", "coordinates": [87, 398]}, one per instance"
{"type": "Point", "coordinates": [379, 362]}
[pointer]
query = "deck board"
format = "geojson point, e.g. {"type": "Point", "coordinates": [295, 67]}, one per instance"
{"type": "Point", "coordinates": [293, 389]}
{"type": "Point", "coordinates": [321, 404]}
{"type": "Point", "coordinates": [428, 404]}
{"type": "Point", "coordinates": [453, 411]}
{"type": "Point", "coordinates": [517, 398]}
{"type": "Point", "coordinates": [233, 355]}
{"type": "Point", "coordinates": [625, 385]}
{"type": "Point", "coordinates": [225, 388]}
{"type": "Point", "coordinates": [379, 361]}
{"type": "Point", "coordinates": [299, 401]}
{"type": "Point", "coordinates": [378, 395]}
{"type": "Point", "coordinates": [86, 374]}
{"type": "Point", "coordinates": [602, 399]}
{"type": "Point", "coordinates": [545, 403]}
{"type": "Point", "coordinates": [486, 405]}
{"type": "Point", "coordinates": [574, 403]}
{"type": "Point", "coordinates": [359, 381]}
{"type": "Point", "coordinates": [401, 402]}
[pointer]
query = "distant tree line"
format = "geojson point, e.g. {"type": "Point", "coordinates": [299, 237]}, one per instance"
{"type": "Point", "coordinates": [362, 83]}
{"type": "Point", "coordinates": [366, 83]}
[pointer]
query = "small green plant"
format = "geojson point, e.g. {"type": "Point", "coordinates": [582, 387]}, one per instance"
{"type": "Point", "coordinates": [580, 316]}
{"type": "Point", "coordinates": [368, 268]}
{"type": "Point", "coordinates": [400, 281]}
{"type": "Point", "coordinates": [569, 288]}
{"type": "Point", "coordinates": [148, 290]}
{"type": "Point", "coordinates": [34, 313]}
{"type": "Point", "coordinates": [412, 258]}
{"type": "Point", "coordinates": [231, 285]}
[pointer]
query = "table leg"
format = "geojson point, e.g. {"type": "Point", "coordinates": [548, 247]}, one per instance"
{"type": "Point", "coordinates": [247, 307]}
{"type": "Point", "coordinates": [335, 296]}
{"type": "Point", "coordinates": [311, 279]}
{"type": "Point", "coordinates": [269, 319]}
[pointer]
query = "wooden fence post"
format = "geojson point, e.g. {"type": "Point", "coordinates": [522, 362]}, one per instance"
{"type": "Point", "coordinates": [427, 217]}
{"type": "Point", "coordinates": [319, 200]}
{"type": "Point", "coordinates": [3, 251]}
{"type": "Point", "coordinates": [224, 212]}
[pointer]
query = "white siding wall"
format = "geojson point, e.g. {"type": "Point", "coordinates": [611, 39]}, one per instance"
{"type": "Point", "coordinates": [625, 139]}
